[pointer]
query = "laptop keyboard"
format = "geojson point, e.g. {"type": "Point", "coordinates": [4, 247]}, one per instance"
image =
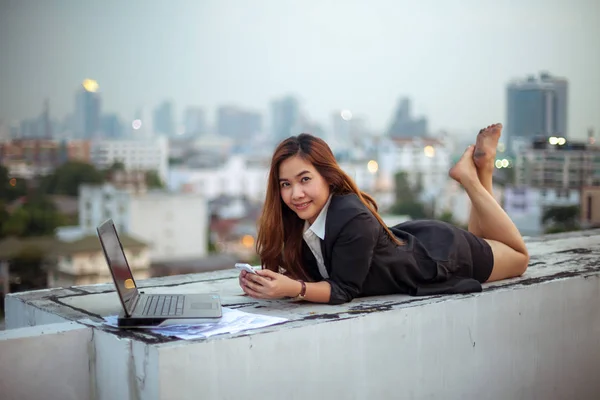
{"type": "Point", "coordinates": [163, 305]}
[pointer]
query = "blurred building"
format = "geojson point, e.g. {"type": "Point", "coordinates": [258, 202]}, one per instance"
{"type": "Point", "coordinates": [194, 121]}
{"type": "Point", "coordinates": [164, 119]}
{"type": "Point", "coordinates": [554, 172]}
{"type": "Point", "coordinates": [233, 226]}
{"type": "Point", "coordinates": [526, 205]}
{"type": "Point", "coordinates": [71, 261]}
{"type": "Point", "coordinates": [130, 181]}
{"type": "Point", "coordinates": [237, 123]}
{"type": "Point", "coordinates": [27, 158]}
{"type": "Point", "coordinates": [590, 207]}
{"type": "Point", "coordinates": [558, 163]}
{"type": "Point", "coordinates": [426, 162]}
{"type": "Point", "coordinates": [403, 124]}
{"type": "Point", "coordinates": [82, 262]}
{"type": "Point", "coordinates": [149, 154]}
{"type": "Point", "coordinates": [111, 126]}
{"type": "Point", "coordinates": [237, 176]}
{"type": "Point", "coordinates": [285, 118]}
{"type": "Point", "coordinates": [4, 131]}
{"type": "Point", "coordinates": [535, 107]}
{"type": "Point", "coordinates": [87, 110]}
{"type": "Point", "coordinates": [347, 129]}
{"type": "Point", "coordinates": [175, 225]}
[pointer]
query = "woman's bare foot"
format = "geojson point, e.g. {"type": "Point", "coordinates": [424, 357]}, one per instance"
{"type": "Point", "coordinates": [485, 147]}
{"type": "Point", "coordinates": [464, 171]}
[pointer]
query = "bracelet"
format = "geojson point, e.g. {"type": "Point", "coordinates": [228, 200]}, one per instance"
{"type": "Point", "coordinates": [302, 291]}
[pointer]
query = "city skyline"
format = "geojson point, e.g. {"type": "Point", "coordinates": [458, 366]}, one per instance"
{"type": "Point", "coordinates": [355, 57]}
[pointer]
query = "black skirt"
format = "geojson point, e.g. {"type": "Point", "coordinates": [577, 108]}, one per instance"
{"type": "Point", "coordinates": [461, 252]}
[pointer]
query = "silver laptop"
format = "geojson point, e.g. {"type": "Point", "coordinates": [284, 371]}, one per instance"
{"type": "Point", "coordinates": [151, 310]}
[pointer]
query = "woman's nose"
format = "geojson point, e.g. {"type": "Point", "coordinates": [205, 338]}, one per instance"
{"type": "Point", "coordinates": [297, 192]}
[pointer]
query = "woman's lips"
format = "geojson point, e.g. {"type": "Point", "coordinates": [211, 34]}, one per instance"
{"type": "Point", "coordinates": [302, 206]}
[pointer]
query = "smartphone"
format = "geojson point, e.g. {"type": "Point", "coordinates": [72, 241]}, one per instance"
{"type": "Point", "coordinates": [245, 267]}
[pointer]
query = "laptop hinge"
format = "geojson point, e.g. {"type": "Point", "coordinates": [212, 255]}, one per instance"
{"type": "Point", "coordinates": [135, 301]}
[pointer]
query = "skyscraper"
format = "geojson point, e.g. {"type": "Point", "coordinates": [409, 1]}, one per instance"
{"type": "Point", "coordinates": [536, 107]}
{"type": "Point", "coordinates": [194, 121]}
{"type": "Point", "coordinates": [87, 109]}
{"type": "Point", "coordinates": [403, 125]}
{"type": "Point", "coordinates": [285, 114]}
{"type": "Point", "coordinates": [237, 123]}
{"type": "Point", "coordinates": [164, 122]}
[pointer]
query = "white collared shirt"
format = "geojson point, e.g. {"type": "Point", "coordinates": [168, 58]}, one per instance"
{"type": "Point", "coordinates": [313, 234]}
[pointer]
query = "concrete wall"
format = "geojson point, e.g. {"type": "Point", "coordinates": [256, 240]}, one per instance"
{"type": "Point", "coordinates": [124, 369]}
{"type": "Point", "coordinates": [534, 337]}
{"type": "Point", "coordinates": [533, 342]}
{"type": "Point", "coordinates": [20, 314]}
{"type": "Point", "coordinates": [49, 362]}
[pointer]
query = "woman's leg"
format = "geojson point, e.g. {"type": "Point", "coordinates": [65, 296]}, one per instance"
{"type": "Point", "coordinates": [484, 156]}
{"type": "Point", "coordinates": [510, 253]}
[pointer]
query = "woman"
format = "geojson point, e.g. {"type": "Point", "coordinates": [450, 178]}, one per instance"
{"type": "Point", "coordinates": [320, 238]}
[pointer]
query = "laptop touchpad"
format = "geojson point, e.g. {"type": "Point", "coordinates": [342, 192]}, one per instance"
{"type": "Point", "coordinates": [201, 306]}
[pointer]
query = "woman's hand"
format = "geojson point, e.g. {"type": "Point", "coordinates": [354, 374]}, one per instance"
{"type": "Point", "coordinates": [266, 284]}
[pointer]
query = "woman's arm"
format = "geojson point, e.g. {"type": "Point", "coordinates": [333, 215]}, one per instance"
{"type": "Point", "coordinates": [351, 257]}
{"type": "Point", "coordinates": [350, 262]}
{"type": "Point", "coordinates": [316, 292]}
{"type": "Point", "coordinates": [266, 284]}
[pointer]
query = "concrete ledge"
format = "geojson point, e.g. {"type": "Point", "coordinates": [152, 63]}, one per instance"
{"type": "Point", "coordinates": [540, 342]}
{"type": "Point", "coordinates": [537, 336]}
{"type": "Point", "coordinates": [46, 362]}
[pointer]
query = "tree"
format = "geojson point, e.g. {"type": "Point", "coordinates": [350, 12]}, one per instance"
{"type": "Point", "coordinates": [448, 217]}
{"type": "Point", "coordinates": [414, 210]}
{"type": "Point", "coordinates": [11, 188]}
{"type": "Point", "coordinates": [36, 217]}
{"type": "Point", "coordinates": [153, 180]}
{"type": "Point", "coordinates": [26, 270]}
{"type": "Point", "coordinates": [67, 178]}
{"type": "Point", "coordinates": [3, 215]}
{"type": "Point", "coordinates": [116, 166]}
{"type": "Point", "coordinates": [16, 223]}
{"type": "Point", "coordinates": [403, 190]}
{"type": "Point", "coordinates": [407, 198]}
{"type": "Point", "coordinates": [561, 218]}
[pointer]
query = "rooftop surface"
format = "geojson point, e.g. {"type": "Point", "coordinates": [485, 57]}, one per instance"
{"type": "Point", "coordinates": [553, 257]}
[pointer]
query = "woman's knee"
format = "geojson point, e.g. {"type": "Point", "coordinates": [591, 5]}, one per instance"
{"type": "Point", "coordinates": [523, 263]}
{"type": "Point", "coordinates": [508, 262]}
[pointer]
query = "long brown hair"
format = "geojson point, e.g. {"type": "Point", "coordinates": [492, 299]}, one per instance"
{"type": "Point", "coordinates": [279, 241]}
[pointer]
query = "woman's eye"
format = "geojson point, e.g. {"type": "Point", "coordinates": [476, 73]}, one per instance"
{"type": "Point", "coordinates": [284, 184]}
{"type": "Point", "coordinates": [305, 179]}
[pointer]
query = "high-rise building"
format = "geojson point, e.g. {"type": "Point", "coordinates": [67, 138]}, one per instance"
{"type": "Point", "coordinates": [4, 131]}
{"type": "Point", "coordinates": [347, 128]}
{"type": "Point", "coordinates": [164, 122]}
{"type": "Point", "coordinates": [142, 125]}
{"type": "Point", "coordinates": [87, 110]}
{"type": "Point", "coordinates": [536, 108]}
{"type": "Point", "coordinates": [194, 121]}
{"type": "Point", "coordinates": [404, 125]}
{"type": "Point", "coordinates": [285, 114]}
{"type": "Point", "coordinates": [237, 123]}
{"type": "Point", "coordinates": [111, 126]}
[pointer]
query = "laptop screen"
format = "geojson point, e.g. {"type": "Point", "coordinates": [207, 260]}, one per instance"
{"type": "Point", "coordinates": [117, 263]}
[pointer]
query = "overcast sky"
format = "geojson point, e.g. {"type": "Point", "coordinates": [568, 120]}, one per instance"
{"type": "Point", "coordinates": [452, 57]}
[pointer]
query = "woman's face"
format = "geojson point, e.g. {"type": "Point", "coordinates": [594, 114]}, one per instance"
{"type": "Point", "coordinates": [302, 188]}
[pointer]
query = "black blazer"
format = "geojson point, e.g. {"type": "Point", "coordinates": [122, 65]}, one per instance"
{"type": "Point", "coordinates": [362, 260]}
